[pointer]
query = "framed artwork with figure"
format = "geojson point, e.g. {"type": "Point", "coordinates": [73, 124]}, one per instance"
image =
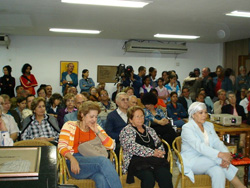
{"type": "Point", "coordinates": [66, 66]}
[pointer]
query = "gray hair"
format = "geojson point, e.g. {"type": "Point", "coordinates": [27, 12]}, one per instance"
{"type": "Point", "coordinates": [242, 67]}
{"type": "Point", "coordinates": [129, 98]}
{"type": "Point", "coordinates": [230, 93]}
{"type": "Point", "coordinates": [195, 107]}
{"type": "Point", "coordinates": [119, 94]}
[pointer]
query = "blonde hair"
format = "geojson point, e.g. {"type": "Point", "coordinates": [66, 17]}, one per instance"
{"type": "Point", "coordinates": [86, 107]}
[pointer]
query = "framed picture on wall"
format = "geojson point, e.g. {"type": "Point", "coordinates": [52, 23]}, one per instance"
{"type": "Point", "coordinates": [64, 66]}
{"type": "Point", "coordinates": [106, 73]}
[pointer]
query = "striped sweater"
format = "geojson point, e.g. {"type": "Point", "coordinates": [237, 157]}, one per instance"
{"type": "Point", "coordinates": [67, 135]}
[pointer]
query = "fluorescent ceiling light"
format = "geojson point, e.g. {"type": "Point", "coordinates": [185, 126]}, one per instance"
{"type": "Point", "coordinates": [239, 14]}
{"type": "Point", "coordinates": [176, 36]}
{"type": "Point", "coordinates": [116, 3]}
{"type": "Point", "coordinates": [74, 31]}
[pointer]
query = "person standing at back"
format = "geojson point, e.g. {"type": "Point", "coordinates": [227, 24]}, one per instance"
{"type": "Point", "coordinates": [7, 82]}
{"type": "Point", "coordinates": [28, 80]}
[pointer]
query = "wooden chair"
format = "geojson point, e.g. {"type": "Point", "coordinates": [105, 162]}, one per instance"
{"type": "Point", "coordinates": [33, 143]}
{"type": "Point", "coordinates": [137, 183]}
{"type": "Point", "coordinates": [201, 181]}
{"type": "Point", "coordinates": [66, 178]}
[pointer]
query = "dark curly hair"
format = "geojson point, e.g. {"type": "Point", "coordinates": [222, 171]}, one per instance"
{"type": "Point", "coordinates": [54, 97]}
{"type": "Point", "coordinates": [149, 98]}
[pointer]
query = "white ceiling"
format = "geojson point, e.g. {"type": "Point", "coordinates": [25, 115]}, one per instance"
{"type": "Point", "coordinates": [205, 18]}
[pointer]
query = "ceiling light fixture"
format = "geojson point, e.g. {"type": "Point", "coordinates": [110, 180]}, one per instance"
{"type": "Point", "coordinates": [239, 14]}
{"type": "Point", "coordinates": [74, 31]}
{"type": "Point", "coordinates": [170, 36]}
{"type": "Point", "coordinates": [116, 3]}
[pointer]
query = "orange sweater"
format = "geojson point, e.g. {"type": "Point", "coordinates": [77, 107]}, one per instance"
{"type": "Point", "coordinates": [69, 138]}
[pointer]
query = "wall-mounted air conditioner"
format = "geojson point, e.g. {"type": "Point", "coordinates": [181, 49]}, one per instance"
{"type": "Point", "coordinates": [4, 41]}
{"type": "Point", "coordinates": [154, 46]}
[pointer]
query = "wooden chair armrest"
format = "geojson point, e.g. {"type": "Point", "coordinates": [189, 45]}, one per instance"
{"type": "Point", "coordinates": [113, 156]}
{"type": "Point", "coordinates": [170, 156]}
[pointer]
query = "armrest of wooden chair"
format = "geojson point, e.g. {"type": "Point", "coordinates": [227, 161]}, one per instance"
{"type": "Point", "coordinates": [177, 149]}
{"type": "Point", "coordinates": [64, 174]}
{"type": "Point", "coordinates": [170, 156]}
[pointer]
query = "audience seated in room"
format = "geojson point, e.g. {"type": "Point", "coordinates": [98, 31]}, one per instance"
{"type": "Point", "coordinates": [162, 91]}
{"type": "Point", "coordinates": [244, 102]}
{"type": "Point", "coordinates": [203, 152]}
{"type": "Point", "coordinates": [173, 86]}
{"type": "Point", "coordinates": [54, 104]}
{"type": "Point", "coordinates": [40, 125]}
{"type": "Point", "coordinates": [27, 111]}
{"type": "Point", "coordinates": [5, 139]}
{"type": "Point", "coordinates": [106, 106]}
{"type": "Point", "coordinates": [69, 100]}
{"type": "Point", "coordinates": [185, 99]}
{"type": "Point", "coordinates": [21, 105]}
{"type": "Point", "coordinates": [156, 118]}
{"type": "Point", "coordinates": [94, 96]}
{"type": "Point", "coordinates": [85, 129]}
{"type": "Point", "coordinates": [7, 109]}
{"type": "Point", "coordinates": [221, 102]}
{"type": "Point", "coordinates": [143, 152]}
{"type": "Point", "coordinates": [207, 99]}
{"type": "Point", "coordinates": [176, 111]}
{"type": "Point", "coordinates": [117, 119]}
{"type": "Point", "coordinates": [146, 86]}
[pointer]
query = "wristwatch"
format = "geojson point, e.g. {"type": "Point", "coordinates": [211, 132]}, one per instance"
{"type": "Point", "coordinates": [68, 82]}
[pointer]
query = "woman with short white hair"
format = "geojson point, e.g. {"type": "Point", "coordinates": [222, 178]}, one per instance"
{"type": "Point", "coordinates": [203, 152]}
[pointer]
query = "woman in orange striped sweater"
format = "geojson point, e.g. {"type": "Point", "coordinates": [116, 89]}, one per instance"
{"type": "Point", "coordinates": [85, 129]}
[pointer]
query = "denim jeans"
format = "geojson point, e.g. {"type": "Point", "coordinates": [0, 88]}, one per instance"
{"type": "Point", "coordinates": [99, 169]}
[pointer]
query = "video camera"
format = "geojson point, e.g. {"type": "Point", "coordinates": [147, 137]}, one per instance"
{"type": "Point", "coordinates": [123, 72]}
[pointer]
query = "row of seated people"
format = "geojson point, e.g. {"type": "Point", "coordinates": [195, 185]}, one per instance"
{"type": "Point", "coordinates": [176, 108]}
{"type": "Point", "coordinates": [143, 153]}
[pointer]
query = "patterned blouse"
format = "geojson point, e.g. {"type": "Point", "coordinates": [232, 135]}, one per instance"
{"type": "Point", "coordinates": [130, 147]}
{"type": "Point", "coordinates": [36, 130]}
{"type": "Point", "coordinates": [149, 117]}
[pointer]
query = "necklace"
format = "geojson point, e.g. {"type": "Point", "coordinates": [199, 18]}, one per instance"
{"type": "Point", "coordinates": [142, 136]}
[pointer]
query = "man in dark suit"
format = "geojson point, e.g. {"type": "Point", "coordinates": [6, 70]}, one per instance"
{"type": "Point", "coordinates": [117, 119]}
{"type": "Point", "coordinates": [185, 99]}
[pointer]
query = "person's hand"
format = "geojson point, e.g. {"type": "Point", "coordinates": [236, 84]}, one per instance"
{"type": "Point", "coordinates": [224, 164]}
{"type": "Point", "coordinates": [221, 102]}
{"type": "Point", "coordinates": [164, 121]}
{"type": "Point", "coordinates": [75, 168]}
{"type": "Point", "coordinates": [158, 153]}
{"type": "Point", "coordinates": [225, 156]}
{"type": "Point", "coordinates": [93, 127]}
{"type": "Point", "coordinates": [2, 125]}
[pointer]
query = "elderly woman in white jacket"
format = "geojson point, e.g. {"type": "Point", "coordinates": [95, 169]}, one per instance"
{"type": "Point", "coordinates": [203, 152]}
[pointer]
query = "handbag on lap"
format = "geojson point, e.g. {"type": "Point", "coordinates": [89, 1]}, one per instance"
{"type": "Point", "coordinates": [93, 148]}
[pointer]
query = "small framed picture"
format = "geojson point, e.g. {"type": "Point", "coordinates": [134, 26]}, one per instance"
{"type": "Point", "coordinates": [64, 66]}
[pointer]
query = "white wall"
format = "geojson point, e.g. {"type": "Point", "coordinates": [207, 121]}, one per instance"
{"type": "Point", "coordinates": [45, 54]}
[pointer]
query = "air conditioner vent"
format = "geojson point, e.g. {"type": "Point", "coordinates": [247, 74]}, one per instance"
{"type": "Point", "coordinates": [150, 47]}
